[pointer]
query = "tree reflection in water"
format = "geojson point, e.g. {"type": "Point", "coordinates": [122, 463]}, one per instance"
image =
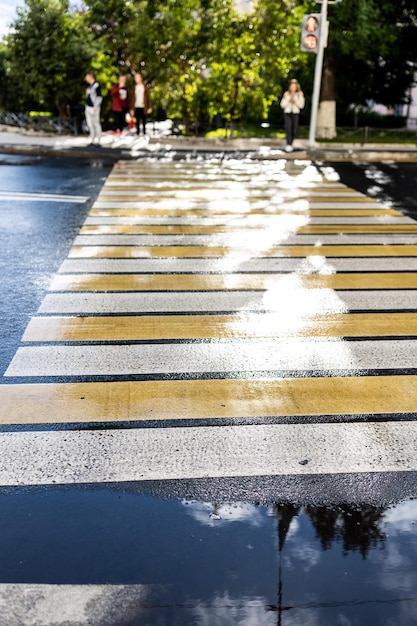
{"type": "Point", "coordinates": [358, 529]}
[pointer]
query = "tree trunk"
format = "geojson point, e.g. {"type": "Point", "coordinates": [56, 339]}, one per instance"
{"type": "Point", "coordinates": [185, 111]}
{"type": "Point", "coordinates": [326, 116]}
{"type": "Point", "coordinates": [235, 98]}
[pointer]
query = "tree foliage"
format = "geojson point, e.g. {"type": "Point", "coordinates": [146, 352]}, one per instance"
{"type": "Point", "coordinates": [375, 43]}
{"type": "Point", "coordinates": [205, 59]}
{"type": "Point", "coordinates": [210, 60]}
{"type": "Point", "coordinates": [48, 52]}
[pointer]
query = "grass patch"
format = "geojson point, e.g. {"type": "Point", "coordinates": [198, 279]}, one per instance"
{"type": "Point", "coordinates": [246, 132]}
{"type": "Point", "coordinates": [40, 114]}
{"type": "Point", "coordinates": [344, 135]}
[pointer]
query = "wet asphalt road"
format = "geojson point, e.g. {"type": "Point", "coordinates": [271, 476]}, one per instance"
{"type": "Point", "coordinates": [35, 236]}
{"type": "Point", "coordinates": [187, 560]}
{"type": "Point", "coordinates": [394, 184]}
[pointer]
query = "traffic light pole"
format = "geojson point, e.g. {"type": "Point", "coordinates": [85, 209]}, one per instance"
{"type": "Point", "coordinates": [317, 76]}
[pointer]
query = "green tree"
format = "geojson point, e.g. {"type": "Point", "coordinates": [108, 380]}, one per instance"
{"type": "Point", "coordinates": [110, 24]}
{"type": "Point", "coordinates": [169, 47]}
{"type": "Point", "coordinates": [49, 51]}
{"type": "Point", "coordinates": [374, 43]}
{"type": "Point", "coordinates": [8, 87]}
{"type": "Point", "coordinates": [209, 60]}
{"type": "Point", "coordinates": [233, 73]}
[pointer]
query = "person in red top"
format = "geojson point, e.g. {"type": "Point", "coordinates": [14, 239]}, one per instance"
{"type": "Point", "coordinates": [120, 104]}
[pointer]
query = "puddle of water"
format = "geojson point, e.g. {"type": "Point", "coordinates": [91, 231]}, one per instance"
{"type": "Point", "coordinates": [214, 563]}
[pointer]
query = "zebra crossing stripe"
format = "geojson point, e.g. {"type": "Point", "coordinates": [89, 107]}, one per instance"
{"type": "Point", "coordinates": [219, 282]}
{"type": "Point", "coordinates": [132, 252]}
{"type": "Point", "coordinates": [124, 401]}
{"type": "Point", "coordinates": [119, 455]}
{"type": "Point", "coordinates": [233, 326]}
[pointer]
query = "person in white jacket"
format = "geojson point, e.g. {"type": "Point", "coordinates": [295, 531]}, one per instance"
{"type": "Point", "coordinates": [93, 99]}
{"type": "Point", "coordinates": [292, 102]}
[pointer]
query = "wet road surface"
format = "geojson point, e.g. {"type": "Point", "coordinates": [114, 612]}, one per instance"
{"type": "Point", "coordinates": [211, 413]}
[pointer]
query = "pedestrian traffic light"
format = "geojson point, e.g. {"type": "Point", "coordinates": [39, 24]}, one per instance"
{"type": "Point", "coordinates": [310, 32]}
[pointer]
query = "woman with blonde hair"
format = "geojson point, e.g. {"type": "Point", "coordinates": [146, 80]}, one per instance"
{"type": "Point", "coordinates": [292, 102]}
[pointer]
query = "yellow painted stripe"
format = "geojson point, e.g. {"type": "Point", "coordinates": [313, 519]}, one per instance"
{"type": "Point", "coordinates": [253, 325]}
{"type": "Point", "coordinates": [352, 212]}
{"type": "Point", "coordinates": [215, 192]}
{"type": "Point", "coordinates": [137, 252]}
{"type": "Point", "coordinates": [205, 196]}
{"type": "Point", "coordinates": [160, 400]}
{"type": "Point", "coordinates": [116, 211]}
{"type": "Point", "coordinates": [205, 229]}
{"type": "Point", "coordinates": [300, 197]}
{"type": "Point", "coordinates": [301, 190]}
{"type": "Point", "coordinates": [214, 282]}
{"type": "Point", "coordinates": [392, 229]}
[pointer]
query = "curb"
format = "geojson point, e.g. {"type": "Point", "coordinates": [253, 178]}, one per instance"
{"type": "Point", "coordinates": [180, 147]}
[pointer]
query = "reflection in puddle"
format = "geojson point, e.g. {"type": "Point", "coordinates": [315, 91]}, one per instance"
{"type": "Point", "coordinates": [189, 562]}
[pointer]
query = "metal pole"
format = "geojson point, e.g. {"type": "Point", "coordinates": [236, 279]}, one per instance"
{"type": "Point", "coordinates": [317, 75]}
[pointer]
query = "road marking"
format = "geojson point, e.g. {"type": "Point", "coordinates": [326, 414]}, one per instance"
{"type": "Point", "coordinates": [297, 302]}
{"type": "Point", "coordinates": [216, 213]}
{"type": "Point", "coordinates": [249, 325]}
{"type": "Point", "coordinates": [288, 354]}
{"type": "Point", "coordinates": [28, 604]}
{"type": "Point", "coordinates": [34, 458]}
{"type": "Point", "coordinates": [297, 264]}
{"type": "Point", "coordinates": [124, 401]}
{"type": "Point", "coordinates": [229, 282]}
{"type": "Point", "coordinates": [253, 264]}
{"type": "Point", "coordinates": [240, 205]}
{"type": "Point", "coordinates": [42, 197]}
{"type": "Point", "coordinates": [245, 229]}
{"type": "Point", "coordinates": [133, 252]}
{"type": "Point", "coordinates": [288, 237]}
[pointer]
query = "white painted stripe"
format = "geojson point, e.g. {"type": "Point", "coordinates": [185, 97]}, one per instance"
{"type": "Point", "coordinates": [285, 264]}
{"type": "Point", "coordinates": [297, 301]}
{"type": "Point", "coordinates": [281, 182]}
{"type": "Point", "coordinates": [138, 185]}
{"type": "Point", "coordinates": [41, 197]}
{"type": "Point", "coordinates": [189, 202]}
{"type": "Point", "coordinates": [51, 605]}
{"type": "Point", "coordinates": [302, 301]}
{"type": "Point", "coordinates": [39, 458]}
{"type": "Point", "coordinates": [254, 219]}
{"type": "Point", "coordinates": [242, 356]}
{"type": "Point", "coordinates": [207, 193]}
{"type": "Point", "coordinates": [247, 221]}
{"type": "Point", "coordinates": [240, 239]}
{"type": "Point", "coordinates": [190, 219]}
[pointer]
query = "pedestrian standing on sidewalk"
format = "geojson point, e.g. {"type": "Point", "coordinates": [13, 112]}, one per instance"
{"type": "Point", "coordinates": [142, 104]}
{"type": "Point", "coordinates": [93, 102]}
{"type": "Point", "coordinates": [292, 102]}
{"type": "Point", "coordinates": [120, 105]}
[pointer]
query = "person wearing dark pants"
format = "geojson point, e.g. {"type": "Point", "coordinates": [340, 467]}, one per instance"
{"type": "Point", "coordinates": [120, 105]}
{"type": "Point", "coordinates": [142, 104]}
{"type": "Point", "coordinates": [292, 102]}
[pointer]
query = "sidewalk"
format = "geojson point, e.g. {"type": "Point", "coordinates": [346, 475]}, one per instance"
{"type": "Point", "coordinates": [18, 141]}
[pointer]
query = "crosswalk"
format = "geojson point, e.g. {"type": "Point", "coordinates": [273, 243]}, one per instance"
{"type": "Point", "coordinates": [220, 319]}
